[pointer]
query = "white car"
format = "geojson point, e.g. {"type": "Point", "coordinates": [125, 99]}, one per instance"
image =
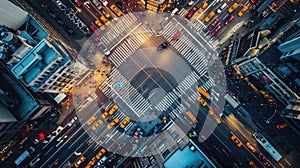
{"type": "Point", "coordinates": [221, 8]}
{"type": "Point", "coordinates": [97, 4]}
{"type": "Point", "coordinates": [191, 3]}
{"type": "Point", "coordinates": [104, 2]}
{"type": "Point", "coordinates": [73, 120]}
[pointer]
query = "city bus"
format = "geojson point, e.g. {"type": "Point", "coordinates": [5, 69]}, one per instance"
{"type": "Point", "coordinates": [191, 116]}
{"type": "Point", "coordinates": [233, 103]}
{"type": "Point", "coordinates": [24, 155]}
{"type": "Point", "coordinates": [267, 146]}
{"type": "Point", "coordinates": [203, 92]}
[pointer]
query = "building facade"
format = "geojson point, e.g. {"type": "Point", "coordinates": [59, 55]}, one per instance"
{"type": "Point", "coordinates": [42, 63]}
{"type": "Point", "coordinates": [255, 68]}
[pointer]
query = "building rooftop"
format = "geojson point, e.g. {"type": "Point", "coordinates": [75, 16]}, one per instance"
{"type": "Point", "coordinates": [189, 156]}
{"type": "Point", "coordinates": [24, 103]}
{"type": "Point", "coordinates": [42, 59]}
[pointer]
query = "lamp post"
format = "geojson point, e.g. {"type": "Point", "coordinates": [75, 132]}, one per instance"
{"type": "Point", "coordinates": [267, 121]}
{"type": "Point", "coordinates": [77, 10]}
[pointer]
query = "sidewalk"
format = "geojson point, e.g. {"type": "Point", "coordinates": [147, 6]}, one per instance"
{"type": "Point", "coordinates": [88, 88]}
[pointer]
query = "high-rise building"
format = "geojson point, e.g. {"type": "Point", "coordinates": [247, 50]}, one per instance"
{"type": "Point", "coordinates": [17, 104]}
{"type": "Point", "coordinates": [32, 64]}
{"type": "Point", "coordinates": [290, 50]}
{"type": "Point", "coordinates": [42, 63]}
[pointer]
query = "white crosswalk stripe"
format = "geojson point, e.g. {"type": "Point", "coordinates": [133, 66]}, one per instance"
{"type": "Point", "coordinates": [127, 93]}
{"type": "Point", "coordinates": [198, 26]}
{"type": "Point", "coordinates": [189, 81]}
{"type": "Point", "coordinates": [185, 47]}
{"type": "Point", "coordinates": [208, 84]}
{"type": "Point", "coordinates": [182, 12]}
{"type": "Point", "coordinates": [133, 42]}
{"type": "Point", "coordinates": [125, 23]}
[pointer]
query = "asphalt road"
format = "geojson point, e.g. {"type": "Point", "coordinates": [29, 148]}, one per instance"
{"type": "Point", "coordinates": [218, 145]}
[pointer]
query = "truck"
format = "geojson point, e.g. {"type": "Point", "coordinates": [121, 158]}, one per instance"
{"type": "Point", "coordinates": [233, 103]}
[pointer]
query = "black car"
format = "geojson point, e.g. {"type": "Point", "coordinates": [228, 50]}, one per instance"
{"type": "Point", "coordinates": [52, 14]}
{"type": "Point", "coordinates": [60, 22]}
{"type": "Point", "coordinates": [163, 45]}
{"type": "Point", "coordinates": [69, 30]}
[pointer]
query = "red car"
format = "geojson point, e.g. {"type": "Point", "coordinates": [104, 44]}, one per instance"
{"type": "Point", "coordinates": [40, 137]}
{"type": "Point", "coordinates": [94, 29]}
{"type": "Point", "coordinates": [177, 34]}
{"type": "Point", "coordinates": [264, 159]}
{"type": "Point", "coordinates": [213, 24]}
{"type": "Point", "coordinates": [229, 20]}
{"type": "Point", "coordinates": [78, 3]}
{"type": "Point", "coordinates": [191, 13]}
{"type": "Point", "coordinates": [253, 1]}
{"type": "Point", "coordinates": [216, 30]}
{"type": "Point", "coordinates": [217, 110]}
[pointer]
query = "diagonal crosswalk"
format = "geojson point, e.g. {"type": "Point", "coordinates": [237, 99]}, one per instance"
{"type": "Point", "coordinates": [117, 31]}
{"type": "Point", "coordinates": [130, 44]}
{"type": "Point", "coordinates": [186, 48]}
{"type": "Point", "coordinates": [182, 12]}
{"type": "Point", "coordinates": [128, 93]}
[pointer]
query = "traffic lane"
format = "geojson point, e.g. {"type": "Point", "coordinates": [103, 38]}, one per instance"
{"type": "Point", "coordinates": [225, 146]}
{"type": "Point", "coordinates": [53, 21]}
{"type": "Point", "coordinates": [82, 13]}
{"type": "Point", "coordinates": [227, 31]}
{"type": "Point", "coordinates": [75, 145]}
{"type": "Point", "coordinates": [51, 154]}
{"type": "Point", "coordinates": [270, 130]}
{"type": "Point", "coordinates": [201, 42]}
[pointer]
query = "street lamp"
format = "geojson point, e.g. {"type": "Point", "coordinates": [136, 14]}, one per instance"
{"type": "Point", "coordinates": [77, 10]}
{"type": "Point", "coordinates": [267, 121]}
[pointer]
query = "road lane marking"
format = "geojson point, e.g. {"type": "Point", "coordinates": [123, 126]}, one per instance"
{"type": "Point", "coordinates": [125, 36]}
{"type": "Point", "coordinates": [194, 36]}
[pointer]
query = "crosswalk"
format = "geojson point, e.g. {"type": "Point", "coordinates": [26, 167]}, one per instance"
{"type": "Point", "coordinates": [198, 25]}
{"type": "Point", "coordinates": [208, 84]}
{"type": "Point", "coordinates": [177, 111]}
{"type": "Point", "coordinates": [189, 81]}
{"type": "Point", "coordinates": [182, 12]}
{"type": "Point", "coordinates": [166, 102]}
{"type": "Point", "coordinates": [131, 44]}
{"type": "Point", "coordinates": [128, 93]}
{"type": "Point", "coordinates": [117, 31]}
{"type": "Point", "coordinates": [185, 47]}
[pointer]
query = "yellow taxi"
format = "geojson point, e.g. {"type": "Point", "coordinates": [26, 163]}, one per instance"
{"type": "Point", "coordinates": [209, 16]}
{"type": "Point", "coordinates": [97, 124]}
{"type": "Point", "coordinates": [242, 11]}
{"type": "Point", "coordinates": [91, 162]}
{"type": "Point", "coordinates": [252, 164]}
{"type": "Point", "coordinates": [100, 153]}
{"type": "Point", "coordinates": [116, 10]}
{"type": "Point", "coordinates": [236, 140]}
{"type": "Point", "coordinates": [203, 7]}
{"type": "Point", "coordinates": [113, 123]}
{"type": "Point", "coordinates": [104, 20]}
{"type": "Point", "coordinates": [91, 120]}
{"type": "Point", "coordinates": [105, 115]}
{"type": "Point", "coordinates": [125, 122]}
{"type": "Point", "coordinates": [201, 101]}
{"type": "Point", "coordinates": [79, 161]}
{"type": "Point", "coordinates": [251, 147]}
{"type": "Point", "coordinates": [99, 24]}
{"type": "Point", "coordinates": [113, 109]}
{"type": "Point", "coordinates": [233, 7]}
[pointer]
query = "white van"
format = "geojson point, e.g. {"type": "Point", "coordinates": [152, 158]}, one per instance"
{"type": "Point", "coordinates": [221, 8]}
{"type": "Point", "coordinates": [174, 11]}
